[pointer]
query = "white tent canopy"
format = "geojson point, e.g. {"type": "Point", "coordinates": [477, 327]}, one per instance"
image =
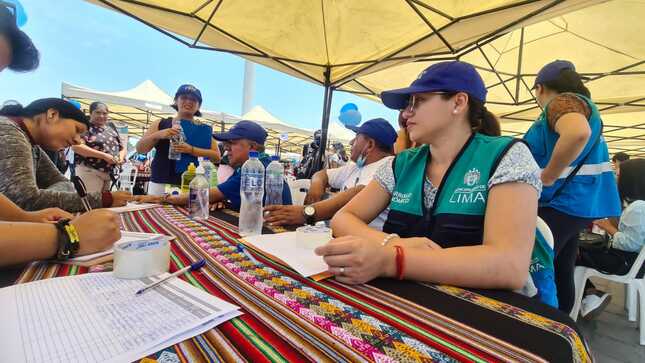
{"type": "Point", "coordinates": [139, 106]}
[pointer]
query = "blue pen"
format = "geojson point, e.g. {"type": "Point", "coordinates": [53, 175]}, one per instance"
{"type": "Point", "coordinates": [195, 266]}
{"type": "Point", "coordinates": [242, 249]}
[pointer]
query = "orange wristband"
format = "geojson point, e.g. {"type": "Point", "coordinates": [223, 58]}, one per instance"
{"type": "Point", "coordinates": [400, 262]}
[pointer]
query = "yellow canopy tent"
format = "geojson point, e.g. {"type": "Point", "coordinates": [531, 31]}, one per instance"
{"type": "Point", "coordinates": [334, 41]}
{"type": "Point", "coordinates": [604, 42]}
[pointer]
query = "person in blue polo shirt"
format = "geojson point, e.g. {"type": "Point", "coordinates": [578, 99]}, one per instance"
{"type": "Point", "coordinates": [579, 185]}
{"type": "Point", "coordinates": [463, 205]}
{"type": "Point", "coordinates": [243, 137]}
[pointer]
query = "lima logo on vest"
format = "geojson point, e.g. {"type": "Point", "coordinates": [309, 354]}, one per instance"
{"type": "Point", "coordinates": [473, 192]}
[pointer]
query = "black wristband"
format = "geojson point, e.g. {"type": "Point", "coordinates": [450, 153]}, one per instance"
{"type": "Point", "coordinates": [67, 244]}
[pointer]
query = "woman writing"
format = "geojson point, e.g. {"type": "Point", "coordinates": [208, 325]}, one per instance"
{"type": "Point", "coordinates": [27, 176]}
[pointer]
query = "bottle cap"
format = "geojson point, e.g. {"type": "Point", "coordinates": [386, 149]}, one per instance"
{"type": "Point", "coordinates": [253, 154]}
{"type": "Point", "coordinates": [191, 167]}
{"type": "Point", "coordinates": [200, 170]}
{"type": "Point", "coordinates": [275, 158]}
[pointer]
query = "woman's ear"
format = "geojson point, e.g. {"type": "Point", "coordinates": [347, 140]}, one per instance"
{"type": "Point", "coordinates": [52, 115]}
{"type": "Point", "coordinates": [461, 102]}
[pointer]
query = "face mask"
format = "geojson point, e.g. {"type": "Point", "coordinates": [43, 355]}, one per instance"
{"type": "Point", "coordinates": [360, 162]}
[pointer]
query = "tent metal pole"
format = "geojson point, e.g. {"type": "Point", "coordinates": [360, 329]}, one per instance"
{"type": "Point", "coordinates": [325, 119]}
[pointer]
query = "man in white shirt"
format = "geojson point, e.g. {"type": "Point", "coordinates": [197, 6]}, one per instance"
{"type": "Point", "coordinates": [372, 146]}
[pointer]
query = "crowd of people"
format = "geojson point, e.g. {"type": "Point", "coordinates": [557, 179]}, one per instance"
{"type": "Point", "coordinates": [436, 201]}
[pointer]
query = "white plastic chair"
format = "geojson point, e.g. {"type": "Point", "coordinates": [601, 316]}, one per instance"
{"type": "Point", "coordinates": [299, 189]}
{"type": "Point", "coordinates": [633, 286]}
{"type": "Point", "coordinates": [128, 177]}
{"type": "Point", "coordinates": [545, 230]}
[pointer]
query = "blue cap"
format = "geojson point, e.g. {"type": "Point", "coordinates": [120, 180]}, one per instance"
{"type": "Point", "coordinates": [253, 154]}
{"type": "Point", "coordinates": [275, 158]}
{"type": "Point", "coordinates": [451, 76]}
{"type": "Point", "coordinates": [378, 129]}
{"type": "Point", "coordinates": [189, 89]}
{"type": "Point", "coordinates": [552, 71]}
{"type": "Point", "coordinates": [243, 130]}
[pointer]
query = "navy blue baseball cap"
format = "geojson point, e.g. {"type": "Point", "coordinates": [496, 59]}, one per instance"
{"type": "Point", "coordinates": [243, 130]}
{"type": "Point", "coordinates": [552, 71]}
{"type": "Point", "coordinates": [451, 76]}
{"type": "Point", "coordinates": [189, 89]}
{"type": "Point", "coordinates": [378, 129]}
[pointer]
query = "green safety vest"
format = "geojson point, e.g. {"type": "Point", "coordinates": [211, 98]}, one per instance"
{"type": "Point", "coordinates": [457, 215]}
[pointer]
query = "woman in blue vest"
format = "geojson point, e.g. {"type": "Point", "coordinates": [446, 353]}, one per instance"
{"type": "Point", "coordinates": [165, 171]}
{"type": "Point", "coordinates": [579, 185]}
{"type": "Point", "coordinates": [463, 205]}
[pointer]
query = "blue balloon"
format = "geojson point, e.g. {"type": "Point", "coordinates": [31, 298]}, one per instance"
{"type": "Point", "coordinates": [348, 106]}
{"type": "Point", "coordinates": [350, 118]}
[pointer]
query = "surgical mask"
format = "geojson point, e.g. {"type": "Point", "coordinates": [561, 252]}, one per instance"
{"type": "Point", "coordinates": [360, 162]}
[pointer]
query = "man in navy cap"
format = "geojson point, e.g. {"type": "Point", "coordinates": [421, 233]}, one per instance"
{"type": "Point", "coordinates": [243, 137]}
{"type": "Point", "coordinates": [372, 146]}
{"type": "Point", "coordinates": [16, 49]}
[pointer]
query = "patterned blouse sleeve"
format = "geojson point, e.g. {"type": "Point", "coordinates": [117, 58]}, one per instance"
{"type": "Point", "coordinates": [516, 166]}
{"type": "Point", "coordinates": [385, 176]}
{"type": "Point", "coordinates": [566, 103]}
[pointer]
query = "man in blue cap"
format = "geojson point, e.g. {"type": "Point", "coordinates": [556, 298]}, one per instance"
{"type": "Point", "coordinates": [372, 146]}
{"type": "Point", "coordinates": [243, 137]}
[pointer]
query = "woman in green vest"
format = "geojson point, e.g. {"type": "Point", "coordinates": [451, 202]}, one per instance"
{"type": "Point", "coordinates": [463, 204]}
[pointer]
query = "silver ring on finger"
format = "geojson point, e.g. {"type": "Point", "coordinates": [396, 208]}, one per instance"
{"type": "Point", "coordinates": [341, 271]}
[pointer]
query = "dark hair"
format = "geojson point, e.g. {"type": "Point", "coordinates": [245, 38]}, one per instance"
{"type": "Point", "coordinates": [96, 104]}
{"type": "Point", "coordinates": [568, 81]}
{"type": "Point", "coordinates": [64, 108]}
{"type": "Point", "coordinates": [25, 57]}
{"type": "Point", "coordinates": [481, 120]}
{"type": "Point", "coordinates": [631, 183]}
{"type": "Point", "coordinates": [621, 156]}
{"type": "Point", "coordinates": [174, 105]}
{"type": "Point", "coordinates": [389, 149]}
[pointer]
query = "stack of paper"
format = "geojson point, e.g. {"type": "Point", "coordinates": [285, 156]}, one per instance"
{"type": "Point", "coordinates": [285, 247]}
{"type": "Point", "coordinates": [98, 318]}
{"type": "Point", "coordinates": [132, 206]}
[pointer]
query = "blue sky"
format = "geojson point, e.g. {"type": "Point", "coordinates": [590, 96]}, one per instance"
{"type": "Point", "coordinates": [93, 47]}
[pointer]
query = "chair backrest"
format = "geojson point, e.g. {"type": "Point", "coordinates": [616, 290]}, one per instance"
{"type": "Point", "coordinates": [637, 264]}
{"type": "Point", "coordinates": [299, 189]}
{"type": "Point", "coordinates": [545, 230]}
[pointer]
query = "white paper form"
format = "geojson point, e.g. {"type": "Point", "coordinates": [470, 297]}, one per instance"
{"type": "Point", "coordinates": [285, 247]}
{"type": "Point", "coordinates": [131, 207]}
{"type": "Point", "coordinates": [98, 318]}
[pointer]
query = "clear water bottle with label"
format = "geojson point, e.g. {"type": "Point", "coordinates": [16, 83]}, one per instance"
{"type": "Point", "coordinates": [251, 194]}
{"type": "Point", "coordinates": [125, 178]}
{"type": "Point", "coordinates": [274, 181]}
{"type": "Point", "coordinates": [209, 169]}
{"type": "Point", "coordinates": [198, 195]}
{"type": "Point", "coordinates": [176, 140]}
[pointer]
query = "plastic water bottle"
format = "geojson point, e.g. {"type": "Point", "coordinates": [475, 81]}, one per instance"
{"type": "Point", "coordinates": [274, 181]}
{"type": "Point", "coordinates": [176, 140]}
{"type": "Point", "coordinates": [187, 177]}
{"type": "Point", "coordinates": [209, 167]}
{"type": "Point", "coordinates": [125, 181]}
{"type": "Point", "coordinates": [198, 195]}
{"type": "Point", "coordinates": [251, 193]}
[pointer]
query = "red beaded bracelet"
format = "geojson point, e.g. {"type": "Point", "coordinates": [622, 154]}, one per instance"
{"type": "Point", "coordinates": [400, 262]}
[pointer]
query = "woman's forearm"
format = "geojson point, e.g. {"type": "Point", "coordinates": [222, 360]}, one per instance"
{"type": "Point", "coordinates": [345, 223]}
{"type": "Point", "coordinates": [211, 154]}
{"type": "Point", "coordinates": [24, 242]}
{"type": "Point", "coordinates": [88, 152]}
{"type": "Point", "coordinates": [146, 143]}
{"type": "Point", "coordinates": [487, 267]}
{"type": "Point", "coordinates": [9, 211]}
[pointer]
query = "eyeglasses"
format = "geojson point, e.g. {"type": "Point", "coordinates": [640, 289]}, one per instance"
{"type": "Point", "coordinates": [415, 101]}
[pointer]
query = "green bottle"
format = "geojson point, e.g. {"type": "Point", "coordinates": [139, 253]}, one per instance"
{"type": "Point", "coordinates": [187, 177]}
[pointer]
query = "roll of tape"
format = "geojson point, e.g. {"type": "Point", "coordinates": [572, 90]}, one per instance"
{"type": "Point", "coordinates": [142, 258]}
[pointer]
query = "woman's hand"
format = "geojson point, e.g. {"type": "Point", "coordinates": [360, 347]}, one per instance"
{"type": "Point", "coordinates": [149, 198]}
{"type": "Point", "coordinates": [355, 260]}
{"type": "Point", "coordinates": [49, 215]}
{"type": "Point", "coordinates": [119, 199]}
{"type": "Point", "coordinates": [183, 148]}
{"type": "Point", "coordinates": [167, 133]}
{"type": "Point", "coordinates": [97, 230]}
